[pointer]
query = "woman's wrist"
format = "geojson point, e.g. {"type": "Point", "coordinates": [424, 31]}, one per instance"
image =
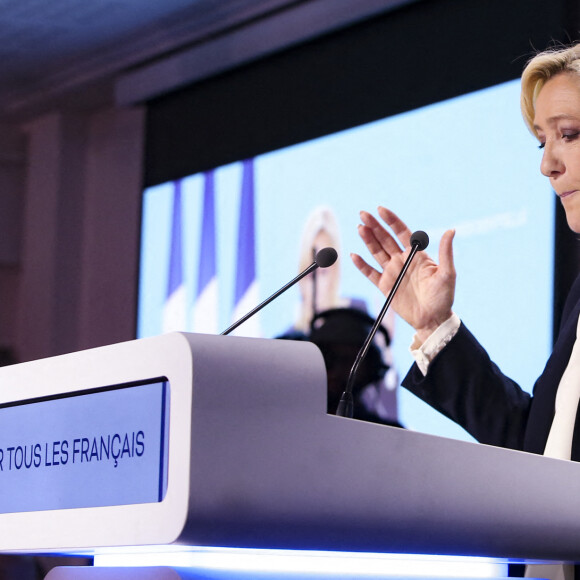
{"type": "Point", "coordinates": [423, 333]}
{"type": "Point", "coordinates": [425, 351]}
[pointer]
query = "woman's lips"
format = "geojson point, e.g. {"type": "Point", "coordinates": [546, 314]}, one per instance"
{"type": "Point", "coordinates": [567, 193]}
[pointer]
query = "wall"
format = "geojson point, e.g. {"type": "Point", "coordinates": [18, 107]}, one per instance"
{"type": "Point", "coordinates": [69, 258]}
{"type": "Point", "coordinates": [12, 178]}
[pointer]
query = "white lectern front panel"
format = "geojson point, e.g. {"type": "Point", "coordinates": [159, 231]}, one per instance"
{"type": "Point", "coordinates": [200, 440]}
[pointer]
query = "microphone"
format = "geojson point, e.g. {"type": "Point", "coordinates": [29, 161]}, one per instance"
{"type": "Point", "coordinates": [323, 259]}
{"type": "Point", "coordinates": [314, 287]}
{"type": "Point", "coordinates": [419, 241]}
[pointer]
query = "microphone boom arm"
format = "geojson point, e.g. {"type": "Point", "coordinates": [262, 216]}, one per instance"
{"type": "Point", "coordinates": [345, 406]}
{"type": "Point", "coordinates": [310, 268]}
{"type": "Point", "coordinates": [324, 258]}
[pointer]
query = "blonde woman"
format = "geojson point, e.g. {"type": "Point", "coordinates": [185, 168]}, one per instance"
{"type": "Point", "coordinates": [453, 373]}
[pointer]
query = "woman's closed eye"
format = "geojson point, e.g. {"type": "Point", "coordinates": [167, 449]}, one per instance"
{"type": "Point", "coordinates": [570, 136]}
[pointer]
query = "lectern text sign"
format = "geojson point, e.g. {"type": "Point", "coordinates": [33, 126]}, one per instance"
{"type": "Point", "coordinates": [95, 448]}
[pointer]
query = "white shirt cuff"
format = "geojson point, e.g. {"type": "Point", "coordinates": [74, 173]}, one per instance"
{"type": "Point", "coordinates": [426, 352]}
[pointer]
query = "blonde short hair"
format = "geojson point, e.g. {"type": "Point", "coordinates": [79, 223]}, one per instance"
{"type": "Point", "coordinates": [540, 70]}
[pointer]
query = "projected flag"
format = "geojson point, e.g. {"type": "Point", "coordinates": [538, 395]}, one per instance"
{"type": "Point", "coordinates": [205, 307]}
{"type": "Point", "coordinates": [174, 309]}
{"type": "Point", "coordinates": [246, 291]}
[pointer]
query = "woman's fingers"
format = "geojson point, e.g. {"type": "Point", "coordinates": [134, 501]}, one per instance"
{"type": "Point", "coordinates": [398, 226]}
{"type": "Point", "coordinates": [446, 263]}
{"type": "Point", "coordinates": [374, 246]}
{"type": "Point", "coordinates": [379, 242]}
{"type": "Point", "coordinates": [373, 275]}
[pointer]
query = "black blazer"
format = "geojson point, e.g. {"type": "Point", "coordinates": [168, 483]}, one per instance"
{"type": "Point", "coordinates": [466, 386]}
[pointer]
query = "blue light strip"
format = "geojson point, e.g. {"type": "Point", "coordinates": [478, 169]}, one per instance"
{"type": "Point", "coordinates": [296, 564]}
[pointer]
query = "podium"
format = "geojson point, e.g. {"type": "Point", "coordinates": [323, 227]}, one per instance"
{"type": "Point", "coordinates": [190, 441]}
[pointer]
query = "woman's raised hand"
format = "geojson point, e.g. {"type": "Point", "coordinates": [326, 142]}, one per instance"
{"type": "Point", "coordinates": [425, 296]}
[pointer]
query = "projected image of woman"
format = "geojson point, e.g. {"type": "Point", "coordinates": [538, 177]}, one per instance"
{"type": "Point", "coordinates": [320, 296]}
{"type": "Point", "coordinates": [452, 372]}
{"type": "Point", "coordinates": [322, 290]}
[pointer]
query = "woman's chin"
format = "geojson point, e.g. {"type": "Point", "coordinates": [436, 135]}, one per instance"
{"type": "Point", "coordinates": [573, 218]}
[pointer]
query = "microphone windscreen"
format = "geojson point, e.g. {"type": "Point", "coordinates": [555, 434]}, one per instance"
{"type": "Point", "coordinates": [420, 239]}
{"type": "Point", "coordinates": [326, 257]}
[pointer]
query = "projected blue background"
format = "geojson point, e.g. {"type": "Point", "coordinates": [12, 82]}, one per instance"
{"type": "Point", "coordinates": [467, 163]}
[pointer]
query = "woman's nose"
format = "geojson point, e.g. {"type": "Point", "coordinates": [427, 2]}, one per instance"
{"type": "Point", "coordinates": [551, 165]}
